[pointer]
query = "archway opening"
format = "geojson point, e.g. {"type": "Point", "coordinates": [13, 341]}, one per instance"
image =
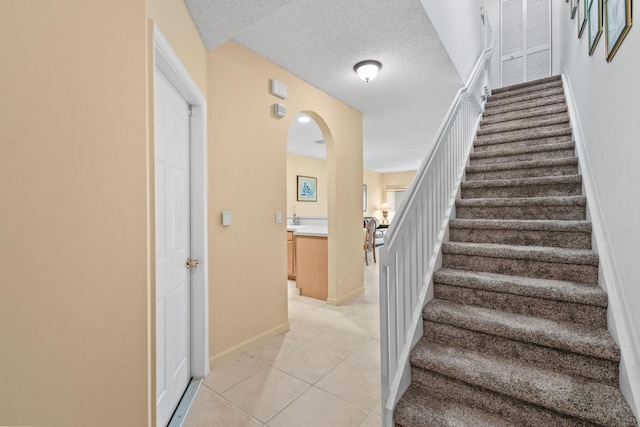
{"type": "Point", "coordinates": [310, 177]}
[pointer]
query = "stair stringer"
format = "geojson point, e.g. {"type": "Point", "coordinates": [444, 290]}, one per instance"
{"type": "Point", "coordinates": [618, 322]}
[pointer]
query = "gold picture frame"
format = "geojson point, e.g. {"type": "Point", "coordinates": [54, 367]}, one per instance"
{"type": "Point", "coordinates": [594, 22]}
{"type": "Point", "coordinates": [616, 26]}
{"type": "Point", "coordinates": [582, 17]}
{"type": "Point", "coordinates": [307, 189]}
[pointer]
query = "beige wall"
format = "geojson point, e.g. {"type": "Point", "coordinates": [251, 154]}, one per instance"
{"type": "Point", "coordinates": [375, 193]}
{"type": "Point", "coordinates": [307, 166]}
{"type": "Point", "coordinates": [76, 246]}
{"type": "Point", "coordinates": [398, 180]}
{"type": "Point", "coordinates": [73, 213]}
{"type": "Point", "coordinates": [174, 20]}
{"type": "Point", "coordinates": [247, 175]}
{"type": "Point", "coordinates": [76, 208]}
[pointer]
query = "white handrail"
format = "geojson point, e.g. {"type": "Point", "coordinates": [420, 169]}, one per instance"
{"type": "Point", "coordinates": [409, 256]}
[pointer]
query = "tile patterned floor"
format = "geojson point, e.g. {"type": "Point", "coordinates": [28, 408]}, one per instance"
{"type": "Point", "coordinates": [324, 372]}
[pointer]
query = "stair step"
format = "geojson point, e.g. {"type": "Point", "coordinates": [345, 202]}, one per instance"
{"type": "Point", "coordinates": [534, 208]}
{"type": "Point", "coordinates": [510, 91]}
{"type": "Point", "coordinates": [558, 290]}
{"type": "Point", "coordinates": [523, 169]}
{"type": "Point", "coordinates": [528, 84]}
{"type": "Point", "coordinates": [568, 337]}
{"type": "Point", "coordinates": [523, 187]}
{"type": "Point", "coordinates": [559, 107]}
{"type": "Point", "coordinates": [576, 265]}
{"type": "Point", "coordinates": [543, 289]}
{"type": "Point", "coordinates": [529, 123]}
{"type": "Point", "coordinates": [527, 137]}
{"type": "Point", "coordinates": [538, 152]}
{"type": "Point", "coordinates": [415, 410]}
{"type": "Point", "coordinates": [590, 401]}
{"type": "Point", "coordinates": [522, 97]}
{"type": "Point", "coordinates": [559, 234]}
{"type": "Point", "coordinates": [516, 411]}
{"type": "Point", "coordinates": [525, 105]}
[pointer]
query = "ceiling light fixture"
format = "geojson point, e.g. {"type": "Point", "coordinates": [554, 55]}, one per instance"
{"type": "Point", "coordinates": [367, 70]}
{"type": "Point", "coordinates": [303, 118]}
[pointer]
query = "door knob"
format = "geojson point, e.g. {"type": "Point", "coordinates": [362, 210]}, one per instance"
{"type": "Point", "coordinates": [192, 263]}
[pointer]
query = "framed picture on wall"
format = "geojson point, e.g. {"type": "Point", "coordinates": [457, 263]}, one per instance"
{"type": "Point", "coordinates": [617, 18]}
{"type": "Point", "coordinates": [594, 21]}
{"type": "Point", "coordinates": [582, 16]}
{"type": "Point", "coordinates": [307, 189]}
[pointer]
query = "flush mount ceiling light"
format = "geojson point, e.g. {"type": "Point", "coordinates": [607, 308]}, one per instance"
{"type": "Point", "coordinates": [367, 70]}
{"type": "Point", "coordinates": [304, 118]}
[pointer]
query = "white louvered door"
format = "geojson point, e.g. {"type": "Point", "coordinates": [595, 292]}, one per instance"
{"type": "Point", "coordinates": [525, 29]}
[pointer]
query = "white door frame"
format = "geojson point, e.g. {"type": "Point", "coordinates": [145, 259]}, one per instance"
{"type": "Point", "coordinates": [166, 60]}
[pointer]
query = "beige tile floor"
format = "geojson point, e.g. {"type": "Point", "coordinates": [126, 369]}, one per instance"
{"type": "Point", "coordinates": [324, 372]}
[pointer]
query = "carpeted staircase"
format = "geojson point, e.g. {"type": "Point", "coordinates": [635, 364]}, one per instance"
{"type": "Point", "coordinates": [517, 332]}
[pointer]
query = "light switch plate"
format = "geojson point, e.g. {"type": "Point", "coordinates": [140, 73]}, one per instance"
{"type": "Point", "coordinates": [280, 110]}
{"type": "Point", "coordinates": [226, 218]}
{"type": "Point", "coordinates": [278, 217]}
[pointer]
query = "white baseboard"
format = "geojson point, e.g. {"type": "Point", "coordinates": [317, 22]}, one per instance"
{"type": "Point", "coordinates": [618, 322]}
{"type": "Point", "coordinates": [345, 298]}
{"type": "Point", "coordinates": [236, 351]}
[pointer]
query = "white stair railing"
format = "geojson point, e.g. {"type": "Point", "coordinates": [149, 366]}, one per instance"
{"type": "Point", "coordinates": [409, 256]}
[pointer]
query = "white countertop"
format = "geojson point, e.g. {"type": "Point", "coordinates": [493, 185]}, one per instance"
{"type": "Point", "coordinates": [308, 230]}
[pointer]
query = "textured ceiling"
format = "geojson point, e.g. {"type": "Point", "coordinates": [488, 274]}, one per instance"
{"type": "Point", "coordinates": [320, 41]}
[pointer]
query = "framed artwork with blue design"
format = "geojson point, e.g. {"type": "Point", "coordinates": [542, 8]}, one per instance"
{"type": "Point", "coordinates": [617, 18]}
{"type": "Point", "coordinates": [307, 189]}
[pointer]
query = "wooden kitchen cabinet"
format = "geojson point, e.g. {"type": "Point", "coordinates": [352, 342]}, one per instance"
{"type": "Point", "coordinates": [291, 256]}
{"type": "Point", "coordinates": [312, 269]}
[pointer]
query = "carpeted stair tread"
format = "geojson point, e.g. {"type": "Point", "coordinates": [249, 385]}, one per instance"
{"type": "Point", "coordinates": [528, 84]}
{"type": "Point", "coordinates": [521, 413]}
{"type": "Point", "coordinates": [558, 290]}
{"type": "Point", "coordinates": [533, 253]}
{"type": "Point", "coordinates": [586, 400]}
{"type": "Point", "coordinates": [564, 185]}
{"type": "Point", "coordinates": [524, 201]}
{"type": "Point", "coordinates": [527, 89]}
{"type": "Point", "coordinates": [525, 105]}
{"type": "Point", "coordinates": [522, 153]}
{"type": "Point", "coordinates": [568, 336]}
{"type": "Point", "coordinates": [527, 96]}
{"type": "Point", "coordinates": [570, 302]}
{"type": "Point", "coordinates": [538, 208]}
{"type": "Point", "coordinates": [529, 123]}
{"type": "Point", "coordinates": [525, 164]}
{"type": "Point", "coordinates": [527, 134]}
{"type": "Point", "coordinates": [504, 224]}
{"type": "Point", "coordinates": [416, 410]}
{"type": "Point", "coordinates": [545, 110]}
{"type": "Point", "coordinates": [523, 182]}
{"type": "Point", "coordinates": [556, 233]}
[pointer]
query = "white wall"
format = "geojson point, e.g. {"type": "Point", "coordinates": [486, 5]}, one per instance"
{"type": "Point", "coordinates": [460, 29]}
{"type": "Point", "coordinates": [606, 99]}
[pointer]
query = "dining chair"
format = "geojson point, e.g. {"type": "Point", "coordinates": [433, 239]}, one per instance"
{"type": "Point", "coordinates": [369, 241]}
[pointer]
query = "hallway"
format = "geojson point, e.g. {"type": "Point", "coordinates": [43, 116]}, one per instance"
{"type": "Point", "coordinates": [324, 371]}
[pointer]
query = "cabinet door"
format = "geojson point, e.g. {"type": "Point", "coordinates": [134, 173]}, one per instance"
{"type": "Point", "coordinates": [291, 261]}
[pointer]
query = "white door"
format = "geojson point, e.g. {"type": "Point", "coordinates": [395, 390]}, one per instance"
{"type": "Point", "coordinates": [173, 243]}
{"type": "Point", "coordinates": [525, 34]}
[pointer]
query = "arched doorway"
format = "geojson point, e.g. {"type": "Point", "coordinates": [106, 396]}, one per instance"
{"type": "Point", "coordinates": [309, 183]}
